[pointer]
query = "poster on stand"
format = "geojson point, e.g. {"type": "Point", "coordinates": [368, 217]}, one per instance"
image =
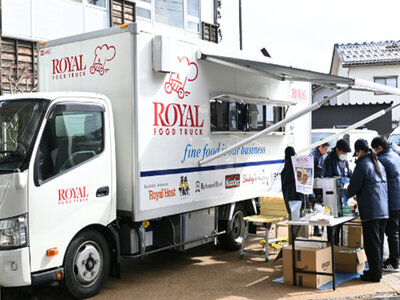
{"type": "Point", "coordinates": [303, 167]}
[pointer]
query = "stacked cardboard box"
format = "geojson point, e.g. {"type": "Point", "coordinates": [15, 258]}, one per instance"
{"type": "Point", "coordinates": [316, 260]}
{"type": "Point", "coordinates": [349, 260]}
{"type": "Point", "coordinates": [355, 237]}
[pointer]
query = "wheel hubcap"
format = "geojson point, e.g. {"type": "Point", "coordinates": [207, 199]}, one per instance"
{"type": "Point", "coordinates": [87, 263]}
{"type": "Point", "coordinates": [238, 227]}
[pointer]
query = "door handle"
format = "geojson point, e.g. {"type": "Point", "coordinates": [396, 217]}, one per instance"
{"type": "Point", "coordinates": [103, 191]}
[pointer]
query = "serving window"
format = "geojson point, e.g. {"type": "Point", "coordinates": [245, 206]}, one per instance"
{"type": "Point", "coordinates": [227, 115]}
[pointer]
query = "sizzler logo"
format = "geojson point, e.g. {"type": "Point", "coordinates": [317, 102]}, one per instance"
{"type": "Point", "coordinates": [72, 195]}
{"type": "Point", "coordinates": [232, 181]}
{"type": "Point", "coordinates": [184, 116]}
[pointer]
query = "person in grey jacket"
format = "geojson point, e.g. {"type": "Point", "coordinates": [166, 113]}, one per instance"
{"type": "Point", "coordinates": [391, 161]}
{"type": "Point", "coordinates": [369, 184]}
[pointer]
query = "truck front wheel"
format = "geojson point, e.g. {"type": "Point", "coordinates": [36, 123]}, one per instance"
{"type": "Point", "coordinates": [233, 238]}
{"type": "Point", "coordinates": [86, 264]}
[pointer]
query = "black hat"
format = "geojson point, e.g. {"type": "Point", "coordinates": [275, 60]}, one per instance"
{"type": "Point", "coordinates": [342, 145]}
{"type": "Point", "coordinates": [289, 151]}
{"type": "Point", "coordinates": [361, 144]}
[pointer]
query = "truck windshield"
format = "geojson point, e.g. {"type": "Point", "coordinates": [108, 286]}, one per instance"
{"type": "Point", "coordinates": [317, 136]}
{"type": "Point", "coordinates": [19, 123]}
{"type": "Point", "coordinates": [395, 138]}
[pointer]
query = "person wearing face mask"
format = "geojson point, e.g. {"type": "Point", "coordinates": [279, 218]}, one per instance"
{"type": "Point", "coordinates": [335, 163]}
{"type": "Point", "coordinates": [369, 184]}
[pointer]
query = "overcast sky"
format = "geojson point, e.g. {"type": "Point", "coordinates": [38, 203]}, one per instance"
{"type": "Point", "coordinates": [302, 33]}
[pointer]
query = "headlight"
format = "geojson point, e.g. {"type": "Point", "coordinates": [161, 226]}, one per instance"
{"type": "Point", "coordinates": [13, 232]}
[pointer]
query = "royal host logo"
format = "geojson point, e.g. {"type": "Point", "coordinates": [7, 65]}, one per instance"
{"type": "Point", "coordinates": [177, 118]}
{"type": "Point", "coordinates": [74, 66]}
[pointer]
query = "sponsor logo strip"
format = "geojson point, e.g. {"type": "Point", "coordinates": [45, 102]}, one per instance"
{"type": "Point", "coordinates": [208, 168]}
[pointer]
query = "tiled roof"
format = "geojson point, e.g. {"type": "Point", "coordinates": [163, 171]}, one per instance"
{"type": "Point", "coordinates": [383, 52]}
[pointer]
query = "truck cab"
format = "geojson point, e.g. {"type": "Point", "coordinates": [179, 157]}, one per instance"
{"type": "Point", "coordinates": [57, 188]}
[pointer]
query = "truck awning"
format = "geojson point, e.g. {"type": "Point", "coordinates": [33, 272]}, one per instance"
{"type": "Point", "coordinates": [278, 72]}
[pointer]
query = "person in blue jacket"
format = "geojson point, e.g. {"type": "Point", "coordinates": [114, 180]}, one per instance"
{"type": "Point", "coordinates": [369, 184]}
{"type": "Point", "coordinates": [394, 148]}
{"type": "Point", "coordinates": [391, 161]}
{"type": "Point", "coordinates": [319, 154]}
{"type": "Point", "coordinates": [335, 163]}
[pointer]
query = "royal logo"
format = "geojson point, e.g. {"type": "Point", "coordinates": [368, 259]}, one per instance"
{"type": "Point", "coordinates": [161, 194]}
{"type": "Point", "coordinates": [74, 66]}
{"type": "Point", "coordinates": [232, 181]}
{"type": "Point", "coordinates": [102, 54]}
{"type": "Point", "coordinates": [184, 116]}
{"type": "Point", "coordinates": [188, 72]}
{"type": "Point", "coordinates": [66, 65]}
{"type": "Point", "coordinates": [72, 195]}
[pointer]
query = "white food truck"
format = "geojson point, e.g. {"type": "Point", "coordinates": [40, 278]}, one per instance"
{"type": "Point", "coordinates": [163, 144]}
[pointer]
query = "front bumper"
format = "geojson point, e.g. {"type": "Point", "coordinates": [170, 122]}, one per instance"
{"type": "Point", "coordinates": [15, 267]}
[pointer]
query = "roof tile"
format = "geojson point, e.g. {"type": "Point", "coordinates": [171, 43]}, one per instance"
{"type": "Point", "coordinates": [383, 52]}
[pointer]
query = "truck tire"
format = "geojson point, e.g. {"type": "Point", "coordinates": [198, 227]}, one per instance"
{"type": "Point", "coordinates": [233, 238]}
{"type": "Point", "coordinates": [86, 264]}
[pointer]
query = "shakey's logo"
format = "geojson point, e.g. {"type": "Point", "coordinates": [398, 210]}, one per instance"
{"type": "Point", "coordinates": [72, 195]}
{"type": "Point", "coordinates": [188, 71]}
{"type": "Point", "coordinates": [74, 66]}
{"type": "Point", "coordinates": [102, 55]}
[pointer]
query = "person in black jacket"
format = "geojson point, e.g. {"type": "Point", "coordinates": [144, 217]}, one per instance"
{"type": "Point", "coordinates": [391, 161]}
{"type": "Point", "coordinates": [288, 180]}
{"type": "Point", "coordinates": [369, 184]}
{"type": "Point", "coordinates": [335, 164]}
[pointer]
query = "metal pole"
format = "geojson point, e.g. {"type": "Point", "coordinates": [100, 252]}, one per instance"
{"type": "Point", "coordinates": [280, 124]}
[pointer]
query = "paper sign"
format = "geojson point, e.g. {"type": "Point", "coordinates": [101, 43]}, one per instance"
{"type": "Point", "coordinates": [303, 167]}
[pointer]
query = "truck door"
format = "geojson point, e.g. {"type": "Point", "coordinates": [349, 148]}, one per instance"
{"type": "Point", "coordinates": [72, 179]}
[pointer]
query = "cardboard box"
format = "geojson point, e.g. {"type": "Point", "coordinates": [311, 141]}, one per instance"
{"type": "Point", "coordinates": [318, 260]}
{"type": "Point", "coordinates": [355, 237]}
{"type": "Point", "coordinates": [350, 260]}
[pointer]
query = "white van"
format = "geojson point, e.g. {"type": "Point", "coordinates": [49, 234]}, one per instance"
{"type": "Point", "coordinates": [350, 137]}
{"type": "Point", "coordinates": [394, 137]}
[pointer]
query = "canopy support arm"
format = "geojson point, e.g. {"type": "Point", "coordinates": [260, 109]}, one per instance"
{"type": "Point", "coordinates": [280, 124]}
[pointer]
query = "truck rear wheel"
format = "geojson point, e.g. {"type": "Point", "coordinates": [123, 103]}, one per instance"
{"type": "Point", "coordinates": [233, 238]}
{"type": "Point", "coordinates": [86, 264]}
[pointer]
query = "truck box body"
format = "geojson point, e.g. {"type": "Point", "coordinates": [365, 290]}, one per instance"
{"type": "Point", "coordinates": [160, 93]}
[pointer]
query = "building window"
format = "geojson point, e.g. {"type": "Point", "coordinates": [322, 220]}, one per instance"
{"type": "Point", "coordinates": [240, 116]}
{"type": "Point", "coordinates": [193, 15]}
{"type": "Point", "coordinates": [389, 81]}
{"type": "Point", "coordinates": [101, 3]}
{"type": "Point", "coordinates": [183, 14]}
{"type": "Point", "coordinates": [169, 12]}
{"type": "Point", "coordinates": [143, 9]}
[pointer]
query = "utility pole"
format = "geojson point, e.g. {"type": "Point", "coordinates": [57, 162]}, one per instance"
{"type": "Point", "coordinates": [240, 26]}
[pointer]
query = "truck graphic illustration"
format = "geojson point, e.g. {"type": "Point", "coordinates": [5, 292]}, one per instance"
{"type": "Point", "coordinates": [177, 81]}
{"type": "Point", "coordinates": [102, 54]}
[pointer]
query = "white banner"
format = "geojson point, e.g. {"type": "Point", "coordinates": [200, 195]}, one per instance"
{"type": "Point", "coordinates": [303, 167]}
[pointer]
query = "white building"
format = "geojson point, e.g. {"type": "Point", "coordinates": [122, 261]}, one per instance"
{"type": "Point", "coordinates": [26, 22]}
{"type": "Point", "coordinates": [374, 61]}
